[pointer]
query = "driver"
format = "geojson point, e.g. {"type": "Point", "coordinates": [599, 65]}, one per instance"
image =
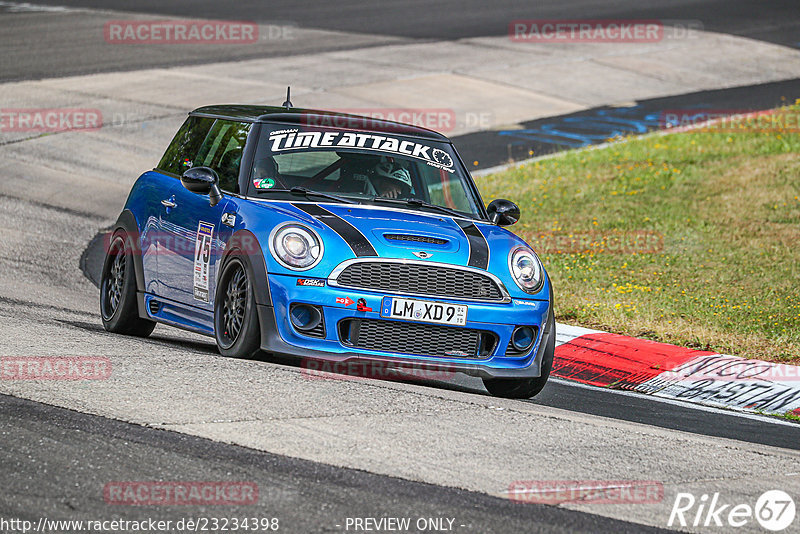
{"type": "Point", "coordinates": [390, 180]}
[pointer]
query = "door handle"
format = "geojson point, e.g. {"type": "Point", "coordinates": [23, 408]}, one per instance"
{"type": "Point", "coordinates": [168, 203]}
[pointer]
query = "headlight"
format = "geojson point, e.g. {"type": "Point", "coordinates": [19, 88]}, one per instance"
{"type": "Point", "coordinates": [526, 269]}
{"type": "Point", "coordinates": [296, 247]}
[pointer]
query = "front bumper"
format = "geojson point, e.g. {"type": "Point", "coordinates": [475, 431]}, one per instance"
{"type": "Point", "coordinates": [280, 337]}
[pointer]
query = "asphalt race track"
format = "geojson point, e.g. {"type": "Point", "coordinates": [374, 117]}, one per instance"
{"type": "Point", "coordinates": [320, 451]}
{"type": "Point", "coordinates": [387, 22]}
{"type": "Point", "coordinates": [306, 496]}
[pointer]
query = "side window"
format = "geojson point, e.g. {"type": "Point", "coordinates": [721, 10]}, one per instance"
{"type": "Point", "coordinates": [181, 152]}
{"type": "Point", "coordinates": [222, 151]}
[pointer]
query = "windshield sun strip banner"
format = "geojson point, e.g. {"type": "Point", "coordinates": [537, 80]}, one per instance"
{"type": "Point", "coordinates": [352, 236]}
{"type": "Point", "coordinates": [287, 140]}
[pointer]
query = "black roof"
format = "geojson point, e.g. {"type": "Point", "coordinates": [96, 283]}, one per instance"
{"type": "Point", "coordinates": [314, 117]}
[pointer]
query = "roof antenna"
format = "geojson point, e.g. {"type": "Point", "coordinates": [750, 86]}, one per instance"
{"type": "Point", "coordinates": [288, 103]}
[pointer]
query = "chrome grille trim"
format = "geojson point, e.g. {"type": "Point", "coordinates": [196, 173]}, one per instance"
{"type": "Point", "coordinates": [505, 298]}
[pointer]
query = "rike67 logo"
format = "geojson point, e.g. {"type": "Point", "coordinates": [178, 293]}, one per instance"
{"type": "Point", "coordinates": [774, 511]}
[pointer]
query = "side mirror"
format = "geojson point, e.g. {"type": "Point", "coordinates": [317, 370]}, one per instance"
{"type": "Point", "coordinates": [203, 181]}
{"type": "Point", "coordinates": [503, 212]}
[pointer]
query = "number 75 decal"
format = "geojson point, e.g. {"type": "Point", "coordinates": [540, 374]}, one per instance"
{"type": "Point", "coordinates": [202, 260]}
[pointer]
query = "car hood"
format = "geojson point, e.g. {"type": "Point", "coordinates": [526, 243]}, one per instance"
{"type": "Point", "coordinates": [351, 230]}
{"type": "Point", "coordinates": [406, 233]}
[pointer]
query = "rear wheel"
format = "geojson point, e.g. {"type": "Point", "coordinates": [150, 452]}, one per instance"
{"type": "Point", "coordinates": [235, 317]}
{"type": "Point", "coordinates": [118, 307]}
{"type": "Point", "coordinates": [525, 388]}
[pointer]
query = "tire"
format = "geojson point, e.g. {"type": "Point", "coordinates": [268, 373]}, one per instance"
{"type": "Point", "coordinates": [236, 326]}
{"type": "Point", "coordinates": [118, 307]}
{"type": "Point", "coordinates": [525, 388]}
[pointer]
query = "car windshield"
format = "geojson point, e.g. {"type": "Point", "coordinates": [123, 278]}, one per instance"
{"type": "Point", "coordinates": [362, 167]}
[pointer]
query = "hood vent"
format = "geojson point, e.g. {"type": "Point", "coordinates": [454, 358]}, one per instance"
{"type": "Point", "coordinates": [416, 239]}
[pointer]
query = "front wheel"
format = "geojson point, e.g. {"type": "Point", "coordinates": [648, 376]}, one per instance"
{"type": "Point", "coordinates": [118, 308]}
{"type": "Point", "coordinates": [525, 388]}
{"type": "Point", "coordinates": [236, 325]}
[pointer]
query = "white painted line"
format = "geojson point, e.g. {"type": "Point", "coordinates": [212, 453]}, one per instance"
{"type": "Point", "coordinates": [23, 7]}
{"type": "Point", "coordinates": [567, 332]}
{"type": "Point", "coordinates": [701, 407]}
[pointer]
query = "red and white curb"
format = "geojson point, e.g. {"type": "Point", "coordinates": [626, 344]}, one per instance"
{"type": "Point", "coordinates": [668, 371]}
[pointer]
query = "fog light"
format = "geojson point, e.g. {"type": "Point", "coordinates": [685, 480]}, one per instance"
{"type": "Point", "coordinates": [304, 317]}
{"type": "Point", "coordinates": [523, 338]}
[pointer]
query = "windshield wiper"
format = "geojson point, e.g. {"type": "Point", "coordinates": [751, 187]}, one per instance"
{"type": "Point", "coordinates": [302, 191]}
{"type": "Point", "coordinates": [420, 204]}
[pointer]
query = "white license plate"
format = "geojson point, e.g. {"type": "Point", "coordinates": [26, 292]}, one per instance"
{"type": "Point", "coordinates": [424, 311]}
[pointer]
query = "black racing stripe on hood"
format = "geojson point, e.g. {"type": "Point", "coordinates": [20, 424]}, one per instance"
{"type": "Point", "coordinates": [478, 247]}
{"type": "Point", "coordinates": [357, 241]}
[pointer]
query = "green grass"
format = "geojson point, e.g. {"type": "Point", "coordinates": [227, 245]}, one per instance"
{"type": "Point", "coordinates": [791, 417]}
{"type": "Point", "coordinates": [718, 218]}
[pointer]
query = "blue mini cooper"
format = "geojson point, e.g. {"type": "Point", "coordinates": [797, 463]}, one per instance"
{"type": "Point", "coordinates": [329, 237]}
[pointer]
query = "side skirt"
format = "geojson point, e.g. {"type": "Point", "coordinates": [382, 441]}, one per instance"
{"type": "Point", "coordinates": [175, 314]}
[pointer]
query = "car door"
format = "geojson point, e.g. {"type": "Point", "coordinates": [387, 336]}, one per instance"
{"type": "Point", "coordinates": [178, 157]}
{"type": "Point", "coordinates": [192, 229]}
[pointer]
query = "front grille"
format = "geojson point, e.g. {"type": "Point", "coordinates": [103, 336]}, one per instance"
{"type": "Point", "coordinates": [419, 339]}
{"type": "Point", "coordinates": [415, 238]}
{"type": "Point", "coordinates": [418, 279]}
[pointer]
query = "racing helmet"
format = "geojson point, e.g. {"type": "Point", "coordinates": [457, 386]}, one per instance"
{"type": "Point", "coordinates": [388, 168]}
